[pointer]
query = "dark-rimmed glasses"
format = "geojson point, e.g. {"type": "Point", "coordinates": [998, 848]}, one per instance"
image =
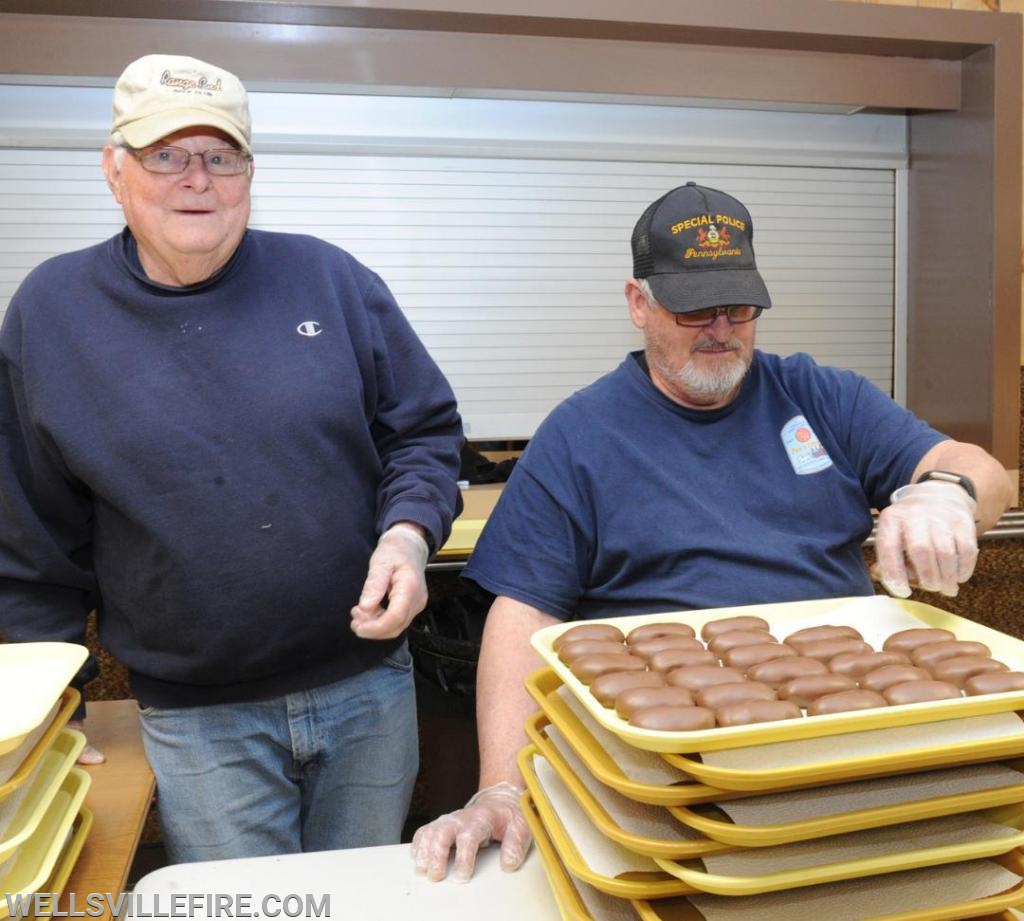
{"type": "Point", "coordinates": [219, 161]}
{"type": "Point", "coordinates": [735, 313]}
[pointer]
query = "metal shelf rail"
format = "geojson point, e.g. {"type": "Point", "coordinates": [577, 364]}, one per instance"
{"type": "Point", "coordinates": [1010, 526]}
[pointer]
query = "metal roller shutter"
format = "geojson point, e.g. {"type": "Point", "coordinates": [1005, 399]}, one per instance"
{"type": "Point", "coordinates": [511, 267]}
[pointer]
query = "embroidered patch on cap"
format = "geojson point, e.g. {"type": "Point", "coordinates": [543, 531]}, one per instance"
{"type": "Point", "coordinates": [695, 248]}
{"type": "Point", "coordinates": [707, 236]}
{"type": "Point", "coordinates": [805, 452]}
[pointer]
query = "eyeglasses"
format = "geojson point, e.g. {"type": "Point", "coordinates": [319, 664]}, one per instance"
{"type": "Point", "coordinates": [735, 313]}
{"type": "Point", "coordinates": [219, 161]}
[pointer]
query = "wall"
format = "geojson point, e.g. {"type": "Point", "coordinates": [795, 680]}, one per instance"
{"type": "Point", "coordinates": [995, 6]}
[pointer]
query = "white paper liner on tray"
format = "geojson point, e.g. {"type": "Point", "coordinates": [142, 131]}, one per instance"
{"type": "Point", "coordinates": [577, 900]}
{"type": "Point", "coordinates": [638, 765]}
{"type": "Point", "coordinates": [872, 897]}
{"type": "Point", "coordinates": [946, 831]}
{"type": "Point", "coordinates": [876, 617]}
{"type": "Point", "coordinates": [853, 745]}
{"type": "Point", "coordinates": [12, 760]}
{"type": "Point", "coordinates": [836, 799]}
{"type": "Point", "coordinates": [604, 907]}
{"type": "Point", "coordinates": [10, 805]}
{"type": "Point", "coordinates": [639, 819]}
{"type": "Point", "coordinates": [603, 856]}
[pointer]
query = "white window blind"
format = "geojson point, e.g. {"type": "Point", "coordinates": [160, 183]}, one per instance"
{"type": "Point", "coordinates": [511, 269]}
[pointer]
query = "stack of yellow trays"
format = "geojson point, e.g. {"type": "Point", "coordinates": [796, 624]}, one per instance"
{"type": "Point", "coordinates": [903, 813]}
{"type": "Point", "coordinates": [43, 822]}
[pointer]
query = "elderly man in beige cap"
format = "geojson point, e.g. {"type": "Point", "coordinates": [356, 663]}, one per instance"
{"type": "Point", "coordinates": [231, 444]}
{"type": "Point", "coordinates": [167, 111]}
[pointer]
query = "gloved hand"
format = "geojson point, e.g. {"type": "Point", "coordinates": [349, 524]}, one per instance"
{"type": "Point", "coordinates": [396, 573]}
{"type": "Point", "coordinates": [927, 537]}
{"type": "Point", "coordinates": [493, 814]}
{"type": "Point", "coordinates": [88, 755]}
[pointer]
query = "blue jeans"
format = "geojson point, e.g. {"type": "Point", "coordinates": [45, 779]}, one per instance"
{"type": "Point", "coordinates": [332, 767]}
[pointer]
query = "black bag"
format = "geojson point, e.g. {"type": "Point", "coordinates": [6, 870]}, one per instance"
{"type": "Point", "coordinates": [476, 469]}
{"type": "Point", "coordinates": [445, 642]}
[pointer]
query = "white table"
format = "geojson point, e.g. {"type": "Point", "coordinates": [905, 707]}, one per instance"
{"type": "Point", "coordinates": [367, 884]}
{"type": "Point", "coordinates": [364, 884]}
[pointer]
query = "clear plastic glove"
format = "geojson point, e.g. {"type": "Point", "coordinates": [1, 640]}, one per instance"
{"type": "Point", "coordinates": [926, 537]}
{"type": "Point", "coordinates": [395, 590]}
{"type": "Point", "coordinates": [88, 755]}
{"type": "Point", "coordinates": [493, 814]}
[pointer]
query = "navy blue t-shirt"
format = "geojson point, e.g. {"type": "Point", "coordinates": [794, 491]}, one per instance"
{"type": "Point", "coordinates": [625, 502]}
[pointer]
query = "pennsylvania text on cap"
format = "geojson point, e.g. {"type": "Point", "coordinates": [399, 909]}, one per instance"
{"type": "Point", "coordinates": [695, 247]}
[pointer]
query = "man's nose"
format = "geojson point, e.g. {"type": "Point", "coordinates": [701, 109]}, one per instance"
{"type": "Point", "coordinates": [721, 326]}
{"type": "Point", "coordinates": [196, 173]}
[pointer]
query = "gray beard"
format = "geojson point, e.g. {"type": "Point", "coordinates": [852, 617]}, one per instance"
{"type": "Point", "coordinates": [709, 386]}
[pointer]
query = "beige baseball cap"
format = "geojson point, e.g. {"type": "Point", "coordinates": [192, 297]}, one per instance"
{"type": "Point", "coordinates": [162, 93]}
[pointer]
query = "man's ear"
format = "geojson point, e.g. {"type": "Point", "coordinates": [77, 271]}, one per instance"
{"type": "Point", "coordinates": [639, 308]}
{"type": "Point", "coordinates": [111, 173]}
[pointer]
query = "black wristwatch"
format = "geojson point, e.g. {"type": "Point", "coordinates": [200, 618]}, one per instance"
{"type": "Point", "coordinates": [946, 477]}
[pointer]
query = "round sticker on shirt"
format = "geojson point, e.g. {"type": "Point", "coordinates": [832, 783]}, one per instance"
{"type": "Point", "coordinates": [805, 452]}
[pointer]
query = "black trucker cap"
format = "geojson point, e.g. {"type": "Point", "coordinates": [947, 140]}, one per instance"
{"type": "Point", "coordinates": [695, 247]}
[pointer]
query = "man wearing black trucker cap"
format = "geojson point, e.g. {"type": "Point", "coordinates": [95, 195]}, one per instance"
{"type": "Point", "coordinates": [700, 473]}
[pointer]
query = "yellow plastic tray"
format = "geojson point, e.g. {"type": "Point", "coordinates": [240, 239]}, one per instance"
{"type": "Point", "coordinates": [696, 876]}
{"type": "Point", "coordinates": [46, 780]}
{"type": "Point", "coordinates": [782, 618]}
{"type": "Point", "coordinates": [37, 857]}
{"type": "Point", "coordinates": [543, 686]}
{"type": "Point", "coordinates": [69, 856]}
{"type": "Point", "coordinates": [68, 704]}
{"type": "Point", "coordinates": [463, 538]}
{"type": "Point", "coordinates": [34, 676]}
{"type": "Point", "coordinates": [719, 827]}
{"type": "Point", "coordinates": [681, 910]}
{"type": "Point", "coordinates": [875, 765]}
{"type": "Point", "coordinates": [567, 896]}
{"type": "Point", "coordinates": [992, 908]}
{"type": "Point", "coordinates": [672, 848]}
{"type": "Point", "coordinates": [655, 884]}
{"type": "Point", "coordinates": [713, 782]}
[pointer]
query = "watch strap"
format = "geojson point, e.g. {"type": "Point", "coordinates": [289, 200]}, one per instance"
{"type": "Point", "coordinates": [945, 476]}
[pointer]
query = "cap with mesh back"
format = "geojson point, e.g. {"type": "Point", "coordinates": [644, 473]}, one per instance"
{"type": "Point", "coordinates": [695, 247]}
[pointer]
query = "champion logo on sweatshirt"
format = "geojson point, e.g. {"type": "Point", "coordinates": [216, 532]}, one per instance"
{"type": "Point", "coordinates": [309, 328]}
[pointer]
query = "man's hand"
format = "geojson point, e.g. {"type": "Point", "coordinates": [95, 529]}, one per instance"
{"type": "Point", "coordinates": [493, 814]}
{"type": "Point", "coordinates": [396, 573]}
{"type": "Point", "coordinates": [88, 755]}
{"type": "Point", "coordinates": [927, 537]}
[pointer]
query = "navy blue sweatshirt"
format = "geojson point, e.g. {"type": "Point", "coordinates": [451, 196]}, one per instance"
{"type": "Point", "coordinates": [210, 466]}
